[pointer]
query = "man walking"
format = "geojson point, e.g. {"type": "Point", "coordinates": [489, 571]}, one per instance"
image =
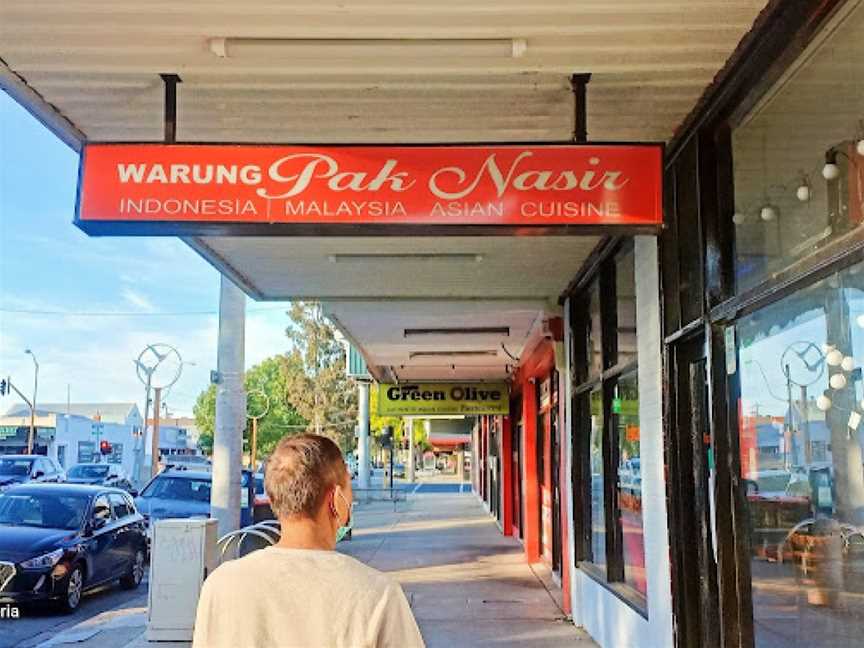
{"type": "Point", "coordinates": [301, 593]}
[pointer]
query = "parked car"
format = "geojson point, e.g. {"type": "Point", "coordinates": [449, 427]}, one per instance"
{"type": "Point", "coordinates": [261, 505]}
{"type": "Point", "coordinates": [175, 493]}
{"type": "Point", "coordinates": [191, 462]}
{"type": "Point", "coordinates": [59, 540]}
{"type": "Point", "coordinates": [105, 474]}
{"type": "Point", "coordinates": [19, 469]}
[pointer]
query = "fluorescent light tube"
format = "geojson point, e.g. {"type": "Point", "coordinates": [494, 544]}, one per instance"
{"type": "Point", "coordinates": [293, 48]}
{"type": "Point", "coordinates": [466, 330]}
{"type": "Point", "coordinates": [407, 256]}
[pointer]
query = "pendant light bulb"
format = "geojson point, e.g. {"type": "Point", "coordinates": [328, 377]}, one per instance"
{"type": "Point", "coordinates": [823, 403]}
{"type": "Point", "coordinates": [860, 320]}
{"type": "Point", "coordinates": [859, 147]}
{"type": "Point", "coordinates": [837, 381]}
{"type": "Point", "coordinates": [738, 218]}
{"type": "Point", "coordinates": [848, 364]}
{"type": "Point", "coordinates": [768, 213]}
{"type": "Point", "coordinates": [834, 358]}
{"type": "Point", "coordinates": [831, 171]}
{"type": "Point", "coordinates": [803, 191]}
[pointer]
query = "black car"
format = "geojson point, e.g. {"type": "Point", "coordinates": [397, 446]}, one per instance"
{"type": "Point", "coordinates": [59, 540]}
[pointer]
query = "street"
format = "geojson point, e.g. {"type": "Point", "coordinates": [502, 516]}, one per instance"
{"type": "Point", "coordinates": [37, 625]}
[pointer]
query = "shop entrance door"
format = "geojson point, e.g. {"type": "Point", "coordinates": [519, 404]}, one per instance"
{"type": "Point", "coordinates": [692, 539]}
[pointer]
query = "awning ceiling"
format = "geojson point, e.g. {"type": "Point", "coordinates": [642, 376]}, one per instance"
{"type": "Point", "coordinates": [98, 65]}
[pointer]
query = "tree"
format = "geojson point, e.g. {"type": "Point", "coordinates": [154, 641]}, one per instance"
{"type": "Point", "coordinates": [315, 375]}
{"type": "Point", "coordinates": [266, 388]}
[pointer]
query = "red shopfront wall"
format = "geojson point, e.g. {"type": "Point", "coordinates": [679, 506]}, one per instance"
{"type": "Point", "coordinates": [538, 365]}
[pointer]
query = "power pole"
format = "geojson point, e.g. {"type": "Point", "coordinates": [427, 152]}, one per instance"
{"type": "Point", "coordinates": [363, 433]}
{"type": "Point", "coordinates": [154, 441]}
{"type": "Point", "coordinates": [230, 408]}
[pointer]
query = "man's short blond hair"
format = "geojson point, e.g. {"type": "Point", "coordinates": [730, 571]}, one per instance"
{"type": "Point", "coordinates": [299, 473]}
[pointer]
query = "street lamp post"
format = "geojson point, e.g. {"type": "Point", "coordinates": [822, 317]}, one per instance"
{"type": "Point", "coordinates": [31, 439]}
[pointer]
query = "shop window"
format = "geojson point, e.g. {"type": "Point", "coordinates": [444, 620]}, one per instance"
{"type": "Point", "coordinates": [625, 307]}
{"type": "Point", "coordinates": [607, 468]}
{"type": "Point", "coordinates": [625, 416]}
{"type": "Point", "coordinates": [801, 441]}
{"type": "Point", "coordinates": [798, 160]}
{"type": "Point", "coordinates": [116, 455]}
{"type": "Point", "coordinates": [598, 508]}
{"type": "Point", "coordinates": [86, 452]}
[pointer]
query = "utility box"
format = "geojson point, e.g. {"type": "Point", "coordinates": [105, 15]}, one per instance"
{"type": "Point", "coordinates": [183, 554]}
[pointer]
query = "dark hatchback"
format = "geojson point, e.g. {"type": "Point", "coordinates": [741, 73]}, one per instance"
{"type": "Point", "coordinates": [59, 540]}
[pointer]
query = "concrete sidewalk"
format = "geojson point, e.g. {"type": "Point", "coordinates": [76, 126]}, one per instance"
{"type": "Point", "coordinates": [468, 585]}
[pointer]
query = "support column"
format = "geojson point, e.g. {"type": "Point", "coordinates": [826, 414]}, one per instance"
{"type": "Point", "coordinates": [230, 409]}
{"type": "Point", "coordinates": [363, 434]}
{"type": "Point", "coordinates": [409, 467]}
{"type": "Point", "coordinates": [531, 479]}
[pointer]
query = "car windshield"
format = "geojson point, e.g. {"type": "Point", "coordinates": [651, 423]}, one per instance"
{"type": "Point", "coordinates": [43, 510]}
{"type": "Point", "coordinates": [179, 488]}
{"type": "Point", "coordinates": [10, 467]}
{"type": "Point", "coordinates": [87, 472]}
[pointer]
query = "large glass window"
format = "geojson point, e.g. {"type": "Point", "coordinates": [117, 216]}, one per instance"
{"type": "Point", "coordinates": [625, 414]}
{"type": "Point", "coordinates": [598, 507]}
{"type": "Point", "coordinates": [801, 441]}
{"type": "Point", "coordinates": [607, 460]}
{"type": "Point", "coordinates": [798, 163]}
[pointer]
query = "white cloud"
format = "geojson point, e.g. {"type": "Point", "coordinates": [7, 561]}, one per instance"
{"type": "Point", "coordinates": [137, 300]}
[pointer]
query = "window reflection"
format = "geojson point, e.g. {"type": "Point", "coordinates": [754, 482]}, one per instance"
{"type": "Point", "coordinates": [598, 512]}
{"type": "Point", "coordinates": [801, 438]}
{"type": "Point", "coordinates": [625, 409]}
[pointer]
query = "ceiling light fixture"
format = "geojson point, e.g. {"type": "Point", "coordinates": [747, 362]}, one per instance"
{"type": "Point", "coordinates": [452, 354]}
{"type": "Point", "coordinates": [468, 257]}
{"type": "Point", "coordinates": [309, 48]}
{"type": "Point", "coordinates": [803, 192]}
{"type": "Point", "coordinates": [463, 330]}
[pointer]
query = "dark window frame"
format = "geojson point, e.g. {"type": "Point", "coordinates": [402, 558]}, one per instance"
{"type": "Point", "coordinates": [611, 575]}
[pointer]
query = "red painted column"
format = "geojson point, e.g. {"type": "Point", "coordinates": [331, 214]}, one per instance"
{"type": "Point", "coordinates": [506, 477]}
{"type": "Point", "coordinates": [530, 486]}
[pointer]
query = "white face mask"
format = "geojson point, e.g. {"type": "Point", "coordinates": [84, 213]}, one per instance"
{"type": "Point", "coordinates": [343, 530]}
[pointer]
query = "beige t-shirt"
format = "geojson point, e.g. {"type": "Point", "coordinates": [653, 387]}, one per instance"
{"type": "Point", "coordinates": [302, 598]}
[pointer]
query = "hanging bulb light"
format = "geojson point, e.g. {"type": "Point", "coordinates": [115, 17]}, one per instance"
{"type": "Point", "coordinates": [837, 381]}
{"type": "Point", "coordinates": [834, 358]}
{"type": "Point", "coordinates": [831, 171]}
{"type": "Point", "coordinates": [860, 320]}
{"type": "Point", "coordinates": [828, 348]}
{"type": "Point", "coordinates": [848, 364]}
{"type": "Point", "coordinates": [859, 146]}
{"type": "Point", "coordinates": [738, 218]}
{"type": "Point", "coordinates": [803, 192]}
{"type": "Point", "coordinates": [768, 213]}
{"type": "Point", "coordinates": [823, 403]}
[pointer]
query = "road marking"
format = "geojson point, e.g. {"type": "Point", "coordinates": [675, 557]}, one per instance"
{"type": "Point", "coordinates": [416, 488]}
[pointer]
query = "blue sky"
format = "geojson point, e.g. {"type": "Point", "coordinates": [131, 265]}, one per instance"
{"type": "Point", "coordinates": [53, 277]}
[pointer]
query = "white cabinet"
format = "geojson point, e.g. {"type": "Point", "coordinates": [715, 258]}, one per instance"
{"type": "Point", "coordinates": [183, 554]}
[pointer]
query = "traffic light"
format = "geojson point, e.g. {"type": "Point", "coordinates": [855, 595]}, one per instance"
{"type": "Point", "coordinates": [104, 447]}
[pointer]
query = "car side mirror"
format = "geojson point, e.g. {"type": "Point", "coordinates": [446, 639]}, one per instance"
{"type": "Point", "coordinates": [38, 474]}
{"type": "Point", "coordinates": [133, 492]}
{"type": "Point", "coordinates": [97, 523]}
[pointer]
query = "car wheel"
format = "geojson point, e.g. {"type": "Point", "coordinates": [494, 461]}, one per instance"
{"type": "Point", "coordinates": [74, 589]}
{"type": "Point", "coordinates": [133, 577]}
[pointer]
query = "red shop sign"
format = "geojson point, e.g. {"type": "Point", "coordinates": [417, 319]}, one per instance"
{"type": "Point", "coordinates": [170, 189]}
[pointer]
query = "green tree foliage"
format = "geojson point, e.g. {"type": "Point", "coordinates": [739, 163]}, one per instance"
{"type": "Point", "coordinates": [315, 375]}
{"type": "Point", "coordinates": [266, 389]}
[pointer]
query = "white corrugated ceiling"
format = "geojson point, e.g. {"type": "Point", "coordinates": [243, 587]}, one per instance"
{"type": "Point", "coordinates": [99, 62]}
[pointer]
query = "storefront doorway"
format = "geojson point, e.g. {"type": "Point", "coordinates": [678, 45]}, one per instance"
{"type": "Point", "coordinates": [691, 462]}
